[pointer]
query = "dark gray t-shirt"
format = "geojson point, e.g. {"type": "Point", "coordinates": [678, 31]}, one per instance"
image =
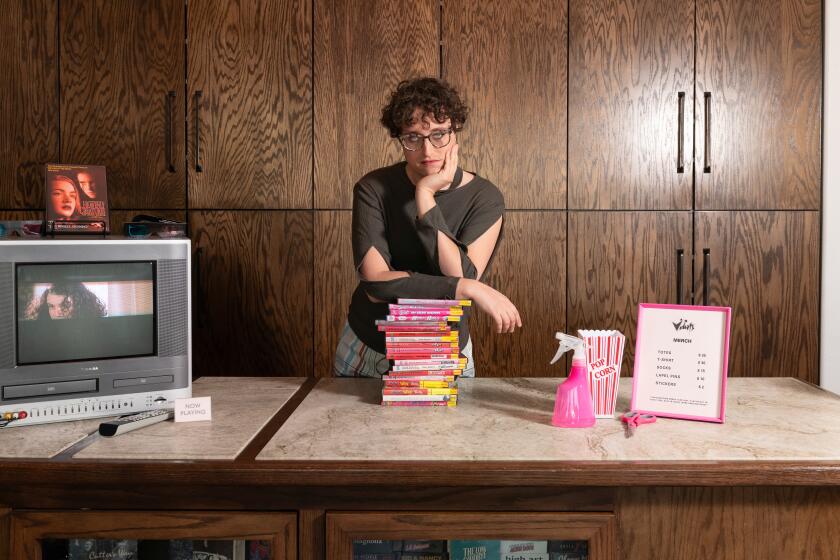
{"type": "Point", "coordinates": [385, 217]}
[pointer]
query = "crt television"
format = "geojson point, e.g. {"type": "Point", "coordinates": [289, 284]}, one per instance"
{"type": "Point", "coordinates": [92, 327]}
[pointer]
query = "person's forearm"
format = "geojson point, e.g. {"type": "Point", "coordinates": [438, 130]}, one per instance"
{"type": "Point", "coordinates": [449, 255]}
{"type": "Point", "coordinates": [392, 285]}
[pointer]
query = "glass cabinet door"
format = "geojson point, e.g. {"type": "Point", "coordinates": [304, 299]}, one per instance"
{"type": "Point", "coordinates": [471, 536]}
{"type": "Point", "coordinates": [85, 535]}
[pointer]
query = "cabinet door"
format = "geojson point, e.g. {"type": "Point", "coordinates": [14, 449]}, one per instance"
{"type": "Point", "coordinates": [362, 51]}
{"type": "Point", "coordinates": [250, 104]}
{"type": "Point", "coordinates": [28, 101]}
{"type": "Point", "coordinates": [529, 267]}
{"type": "Point", "coordinates": [252, 314]}
{"type": "Point", "coordinates": [618, 260]}
{"type": "Point", "coordinates": [125, 534]}
{"type": "Point", "coordinates": [765, 266]}
{"type": "Point", "coordinates": [122, 97]}
{"type": "Point", "coordinates": [468, 535]}
{"type": "Point", "coordinates": [759, 107]}
{"type": "Point", "coordinates": [508, 59]}
{"type": "Point", "coordinates": [335, 280]}
{"type": "Point", "coordinates": [631, 83]}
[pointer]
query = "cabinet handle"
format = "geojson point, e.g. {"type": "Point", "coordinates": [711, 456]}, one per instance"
{"type": "Point", "coordinates": [706, 259]}
{"type": "Point", "coordinates": [198, 318]}
{"type": "Point", "coordinates": [198, 166]}
{"type": "Point", "coordinates": [707, 131]}
{"type": "Point", "coordinates": [680, 254]}
{"type": "Point", "coordinates": [680, 130]}
{"type": "Point", "coordinates": [170, 158]}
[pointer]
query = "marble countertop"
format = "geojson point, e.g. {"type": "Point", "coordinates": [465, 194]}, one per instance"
{"type": "Point", "coordinates": [44, 441]}
{"type": "Point", "coordinates": [767, 419]}
{"type": "Point", "coordinates": [241, 406]}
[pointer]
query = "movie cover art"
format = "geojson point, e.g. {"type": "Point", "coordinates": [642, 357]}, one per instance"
{"type": "Point", "coordinates": [77, 199]}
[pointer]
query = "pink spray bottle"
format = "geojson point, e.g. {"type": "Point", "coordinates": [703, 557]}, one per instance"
{"type": "Point", "coordinates": [573, 406]}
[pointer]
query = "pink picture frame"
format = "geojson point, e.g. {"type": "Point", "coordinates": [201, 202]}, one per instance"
{"type": "Point", "coordinates": [686, 310]}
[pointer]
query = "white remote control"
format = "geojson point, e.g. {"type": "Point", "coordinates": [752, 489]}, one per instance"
{"type": "Point", "coordinates": [134, 421]}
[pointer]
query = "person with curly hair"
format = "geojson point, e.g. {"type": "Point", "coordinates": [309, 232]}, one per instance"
{"type": "Point", "coordinates": [422, 228]}
{"type": "Point", "coordinates": [68, 300]}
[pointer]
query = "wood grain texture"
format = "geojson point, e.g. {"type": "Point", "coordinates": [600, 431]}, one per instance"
{"type": "Point", "coordinates": [118, 61]}
{"type": "Point", "coordinates": [597, 528]}
{"type": "Point", "coordinates": [28, 100]}
{"type": "Point", "coordinates": [312, 525]}
{"type": "Point", "coordinates": [530, 269]}
{"type": "Point", "coordinates": [765, 265]}
{"type": "Point", "coordinates": [252, 61]}
{"type": "Point", "coordinates": [253, 309]}
{"type": "Point", "coordinates": [618, 260]}
{"type": "Point", "coordinates": [628, 60]}
{"type": "Point", "coordinates": [701, 523]}
{"type": "Point", "coordinates": [29, 527]}
{"type": "Point", "coordinates": [335, 280]}
{"type": "Point", "coordinates": [508, 60]}
{"type": "Point", "coordinates": [362, 51]}
{"type": "Point", "coordinates": [4, 532]}
{"type": "Point", "coordinates": [762, 64]}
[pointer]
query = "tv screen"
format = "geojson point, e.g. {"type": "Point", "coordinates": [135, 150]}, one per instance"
{"type": "Point", "coordinates": [84, 311]}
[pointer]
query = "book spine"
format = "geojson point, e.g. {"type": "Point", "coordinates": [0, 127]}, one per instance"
{"type": "Point", "coordinates": [454, 362]}
{"type": "Point", "coordinates": [449, 378]}
{"type": "Point", "coordinates": [414, 355]}
{"type": "Point", "coordinates": [402, 327]}
{"type": "Point", "coordinates": [418, 403]}
{"type": "Point", "coordinates": [424, 372]}
{"type": "Point", "coordinates": [419, 384]}
{"type": "Point", "coordinates": [397, 307]}
{"type": "Point", "coordinates": [419, 391]}
{"type": "Point", "coordinates": [417, 398]}
{"type": "Point", "coordinates": [423, 318]}
{"type": "Point", "coordinates": [435, 302]}
{"type": "Point", "coordinates": [421, 339]}
{"type": "Point", "coordinates": [427, 367]}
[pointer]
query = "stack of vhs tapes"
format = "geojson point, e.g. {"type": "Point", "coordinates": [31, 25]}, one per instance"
{"type": "Point", "coordinates": [421, 341]}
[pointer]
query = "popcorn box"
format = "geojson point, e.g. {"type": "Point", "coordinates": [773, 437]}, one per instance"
{"type": "Point", "coordinates": [604, 352]}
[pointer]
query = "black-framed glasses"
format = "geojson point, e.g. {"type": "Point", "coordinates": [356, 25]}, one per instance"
{"type": "Point", "coordinates": [413, 141]}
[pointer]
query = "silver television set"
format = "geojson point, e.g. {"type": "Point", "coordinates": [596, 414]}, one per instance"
{"type": "Point", "coordinates": [92, 327]}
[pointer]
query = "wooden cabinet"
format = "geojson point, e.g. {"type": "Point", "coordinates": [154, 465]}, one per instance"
{"type": "Point", "coordinates": [249, 111]}
{"type": "Point", "coordinates": [597, 529]}
{"type": "Point", "coordinates": [362, 51]}
{"type": "Point", "coordinates": [122, 97]}
{"type": "Point", "coordinates": [253, 300]}
{"type": "Point", "coordinates": [631, 83]}
{"type": "Point", "coordinates": [618, 260]}
{"type": "Point", "coordinates": [508, 60]}
{"type": "Point", "coordinates": [529, 267]}
{"type": "Point", "coordinates": [765, 265]}
{"type": "Point", "coordinates": [31, 530]}
{"type": "Point", "coordinates": [28, 101]}
{"type": "Point", "coordinates": [758, 106]}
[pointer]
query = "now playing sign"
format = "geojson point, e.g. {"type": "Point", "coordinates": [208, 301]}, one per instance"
{"type": "Point", "coordinates": [192, 410]}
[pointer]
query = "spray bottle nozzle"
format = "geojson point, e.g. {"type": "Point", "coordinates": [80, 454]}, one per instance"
{"type": "Point", "coordinates": [569, 342]}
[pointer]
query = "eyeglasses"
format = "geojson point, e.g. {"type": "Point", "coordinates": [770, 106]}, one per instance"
{"type": "Point", "coordinates": [149, 229]}
{"type": "Point", "coordinates": [414, 141]}
{"type": "Point", "coordinates": [21, 228]}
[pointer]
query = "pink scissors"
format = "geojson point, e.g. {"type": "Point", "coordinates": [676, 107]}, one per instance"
{"type": "Point", "coordinates": [633, 419]}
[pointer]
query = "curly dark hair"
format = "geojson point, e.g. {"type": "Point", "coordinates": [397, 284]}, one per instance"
{"type": "Point", "coordinates": [80, 301]}
{"type": "Point", "coordinates": [432, 96]}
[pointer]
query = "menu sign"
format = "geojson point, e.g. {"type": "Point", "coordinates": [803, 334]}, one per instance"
{"type": "Point", "coordinates": [681, 361]}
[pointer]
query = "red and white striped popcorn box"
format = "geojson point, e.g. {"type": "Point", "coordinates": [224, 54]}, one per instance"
{"type": "Point", "coordinates": [604, 351]}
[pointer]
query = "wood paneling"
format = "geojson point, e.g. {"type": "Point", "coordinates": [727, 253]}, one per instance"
{"type": "Point", "coordinates": [530, 269]}
{"type": "Point", "coordinates": [335, 280]}
{"type": "Point", "coordinates": [252, 62]}
{"type": "Point", "coordinates": [508, 60]}
{"type": "Point", "coordinates": [618, 260]}
{"type": "Point", "coordinates": [252, 313]}
{"type": "Point", "coordinates": [628, 60]}
{"type": "Point", "coordinates": [28, 100]}
{"type": "Point", "coordinates": [702, 523]}
{"type": "Point", "coordinates": [29, 527]}
{"type": "Point", "coordinates": [765, 265]}
{"type": "Point", "coordinates": [4, 533]}
{"type": "Point", "coordinates": [119, 60]}
{"type": "Point", "coordinates": [597, 528]}
{"type": "Point", "coordinates": [362, 51]}
{"type": "Point", "coordinates": [312, 526]}
{"type": "Point", "coordinates": [762, 64]}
